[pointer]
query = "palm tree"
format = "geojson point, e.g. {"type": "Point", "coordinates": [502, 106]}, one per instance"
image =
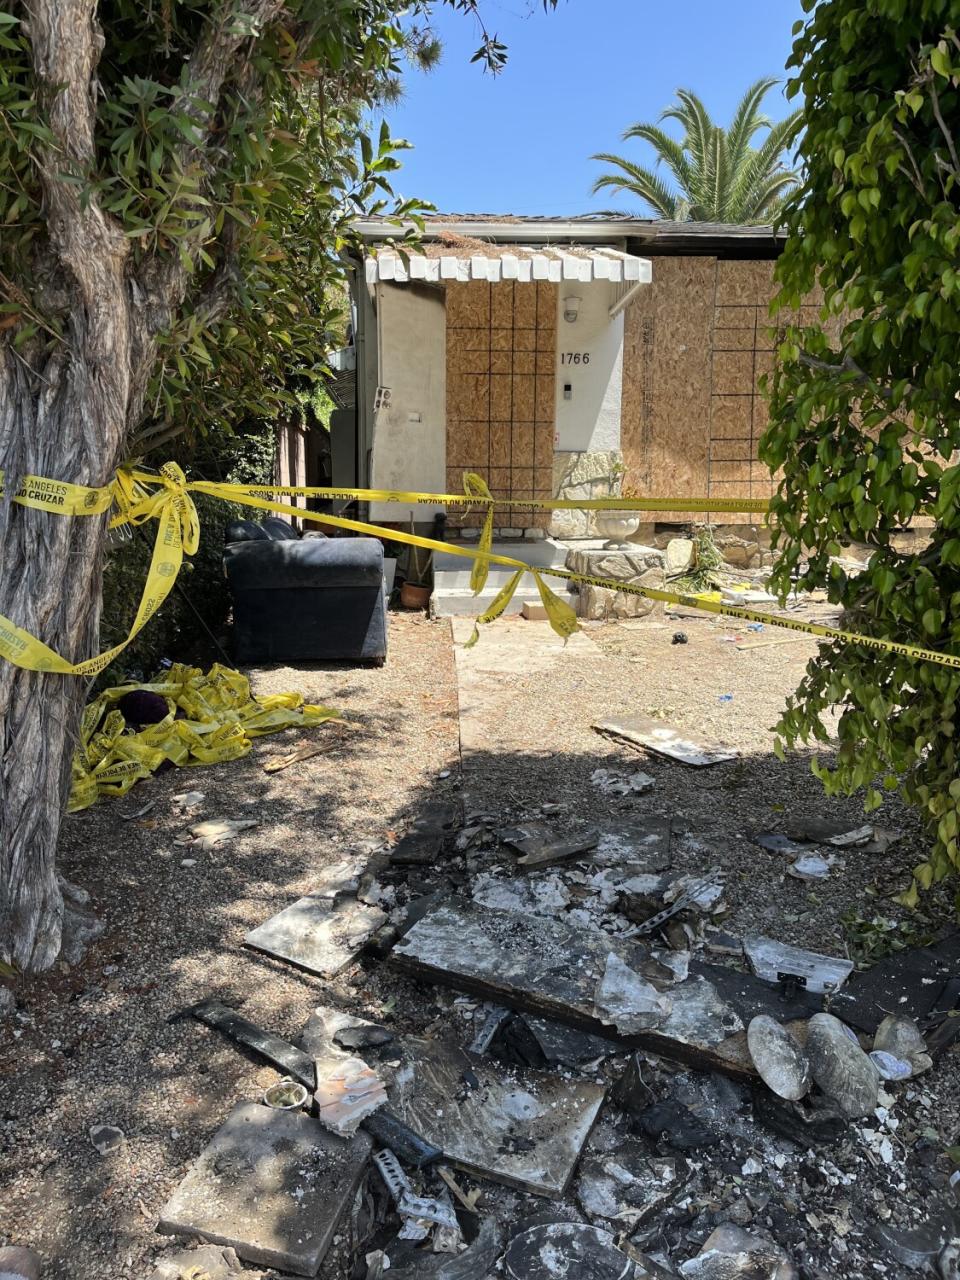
{"type": "Point", "coordinates": [718, 176]}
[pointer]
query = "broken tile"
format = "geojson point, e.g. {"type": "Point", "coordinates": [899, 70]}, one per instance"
{"type": "Point", "coordinates": [523, 1128]}
{"type": "Point", "coordinates": [273, 1185]}
{"type": "Point", "coordinates": [812, 866]}
{"type": "Point", "coordinates": [782, 1064]}
{"type": "Point", "coordinates": [207, 835]}
{"type": "Point", "coordinates": [768, 958]}
{"type": "Point", "coordinates": [542, 846]}
{"type": "Point", "coordinates": [285, 1056]}
{"type": "Point", "coordinates": [564, 1250]}
{"type": "Point", "coordinates": [629, 1186]}
{"type": "Point", "coordinates": [329, 1030]}
{"type": "Point", "coordinates": [840, 1067]}
{"type": "Point", "coordinates": [730, 1252]}
{"type": "Point", "coordinates": [678, 744]}
{"type": "Point", "coordinates": [347, 1092]}
{"type": "Point", "coordinates": [317, 934]}
{"type": "Point", "coordinates": [634, 847]}
{"type": "Point", "coordinates": [627, 1001]}
{"type": "Point", "coordinates": [551, 968]}
{"type": "Point", "coordinates": [612, 783]}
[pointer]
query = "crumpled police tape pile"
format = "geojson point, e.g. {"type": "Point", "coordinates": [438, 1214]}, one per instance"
{"type": "Point", "coordinates": [201, 719]}
{"type": "Point", "coordinates": [139, 496]}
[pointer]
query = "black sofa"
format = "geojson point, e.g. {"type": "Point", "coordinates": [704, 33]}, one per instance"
{"type": "Point", "coordinates": [310, 599]}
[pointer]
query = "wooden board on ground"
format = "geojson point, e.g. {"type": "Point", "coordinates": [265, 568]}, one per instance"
{"type": "Point", "coordinates": [523, 1128]}
{"type": "Point", "coordinates": [678, 744]}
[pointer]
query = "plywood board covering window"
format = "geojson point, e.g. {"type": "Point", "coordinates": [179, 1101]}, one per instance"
{"type": "Point", "coordinates": [501, 354]}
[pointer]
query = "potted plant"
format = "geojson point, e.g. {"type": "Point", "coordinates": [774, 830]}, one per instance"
{"type": "Point", "coordinates": [417, 586]}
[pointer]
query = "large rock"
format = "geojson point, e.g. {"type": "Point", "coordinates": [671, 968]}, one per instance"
{"type": "Point", "coordinates": [901, 1037]}
{"type": "Point", "coordinates": [640, 566]}
{"type": "Point", "coordinates": [679, 556]}
{"type": "Point", "coordinates": [782, 1064]}
{"type": "Point", "coordinates": [19, 1264]}
{"type": "Point", "coordinates": [840, 1067]}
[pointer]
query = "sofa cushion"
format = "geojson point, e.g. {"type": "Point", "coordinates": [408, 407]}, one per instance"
{"type": "Point", "coordinates": [308, 562]}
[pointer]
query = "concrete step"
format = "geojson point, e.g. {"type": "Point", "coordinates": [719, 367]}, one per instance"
{"type": "Point", "coordinates": [452, 596]}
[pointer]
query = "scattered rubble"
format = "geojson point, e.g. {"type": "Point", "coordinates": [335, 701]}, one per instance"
{"type": "Point", "coordinates": [106, 1138]}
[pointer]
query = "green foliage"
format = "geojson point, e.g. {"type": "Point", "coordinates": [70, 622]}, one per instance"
{"type": "Point", "coordinates": [237, 210]}
{"type": "Point", "coordinates": [865, 415]}
{"type": "Point", "coordinates": [871, 938]}
{"type": "Point", "coordinates": [717, 175]}
{"type": "Point", "coordinates": [175, 632]}
{"type": "Point", "coordinates": [707, 562]}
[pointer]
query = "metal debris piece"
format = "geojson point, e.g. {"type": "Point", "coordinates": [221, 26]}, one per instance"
{"type": "Point", "coordinates": [686, 898]}
{"type": "Point", "coordinates": [386, 1129]}
{"type": "Point", "coordinates": [644, 731]}
{"type": "Point", "coordinates": [769, 959]}
{"type": "Point", "coordinates": [287, 1057]}
{"type": "Point", "coordinates": [495, 1018]}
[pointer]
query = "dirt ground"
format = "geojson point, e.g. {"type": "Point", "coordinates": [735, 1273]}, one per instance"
{"type": "Point", "coordinates": [95, 1044]}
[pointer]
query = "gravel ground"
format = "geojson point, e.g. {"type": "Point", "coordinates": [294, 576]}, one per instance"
{"type": "Point", "coordinates": [93, 1044]}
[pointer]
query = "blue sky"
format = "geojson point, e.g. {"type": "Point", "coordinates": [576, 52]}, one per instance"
{"type": "Point", "coordinates": [575, 79]}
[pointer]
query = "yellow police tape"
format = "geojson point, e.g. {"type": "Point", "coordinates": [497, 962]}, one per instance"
{"type": "Point", "coordinates": [165, 496]}
{"type": "Point", "coordinates": [218, 718]}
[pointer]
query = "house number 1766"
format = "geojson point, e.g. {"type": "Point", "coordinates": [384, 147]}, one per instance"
{"type": "Point", "coordinates": [575, 357]}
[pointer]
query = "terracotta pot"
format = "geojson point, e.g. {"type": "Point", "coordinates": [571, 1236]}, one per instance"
{"type": "Point", "coordinates": [414, 597]}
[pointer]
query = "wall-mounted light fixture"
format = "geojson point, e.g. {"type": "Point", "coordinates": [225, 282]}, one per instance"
{"type": "Point", "coordinates": [571, 308]}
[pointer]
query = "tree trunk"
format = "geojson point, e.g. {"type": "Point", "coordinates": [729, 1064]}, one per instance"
{"type": "Point", "coordinates": [66, 422]}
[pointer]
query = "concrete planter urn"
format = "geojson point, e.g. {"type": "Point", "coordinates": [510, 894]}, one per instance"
{"type": "Point", "coordinates": [616, 527]}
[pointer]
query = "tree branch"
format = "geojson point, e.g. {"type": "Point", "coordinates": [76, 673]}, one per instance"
{"type": "Point", "coordinates": [846, 366]}
{"type": "Point", "coordinates": [66, 43]}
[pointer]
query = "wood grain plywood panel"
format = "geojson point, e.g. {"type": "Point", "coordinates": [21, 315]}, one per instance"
{"type": "Point", "coordinates": [668, 340]}
{"type": "Point", "coordinates": [468, 305]}
{"type": "Point", "coordinates": [525, 306]}
{"type": "Point", "coordinates": [501, 303]}
{"type": "Point", "coordinates": [732, 372]}
{"type": "Point", "coordinates": [749, 283]}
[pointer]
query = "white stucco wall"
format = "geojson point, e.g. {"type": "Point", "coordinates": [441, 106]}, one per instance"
{"type": "Point", "coordinates": [409, 433]}
{"type": "Point", "coordinates": [590, 420]}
